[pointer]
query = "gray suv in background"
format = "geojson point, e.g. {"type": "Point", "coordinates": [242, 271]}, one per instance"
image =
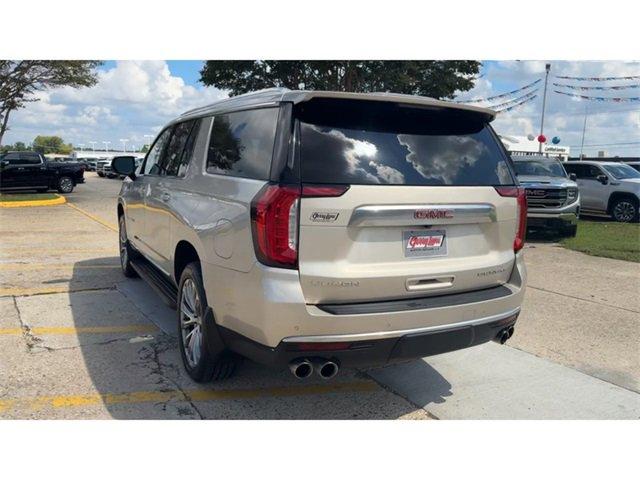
{"type": "Point", "coordinates": [320, 230]}
{"type": "Point", "coordinates": [607, 188]}
{"type": "Point", "coordinates": [552, 194]}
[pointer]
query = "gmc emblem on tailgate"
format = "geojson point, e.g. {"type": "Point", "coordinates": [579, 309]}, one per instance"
{"type": "Point", "coordinates": [432, 214]}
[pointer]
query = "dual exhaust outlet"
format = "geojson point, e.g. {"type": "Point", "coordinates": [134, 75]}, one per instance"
{"type": "Point", "coordinates": [304, 367]}
{"type": "Point", "coordinates": [504, 335]}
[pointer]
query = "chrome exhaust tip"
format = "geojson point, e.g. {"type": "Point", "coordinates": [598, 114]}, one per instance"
{"type": "Point", "coordinates": [301, 368]}
{"type": "Point", "coordinates": [327, 369]}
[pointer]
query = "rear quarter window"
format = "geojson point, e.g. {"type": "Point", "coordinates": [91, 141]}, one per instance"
{"type": "Point", "coordinates": [241, 143]}
{"type": "Point", "coordinates": [370, 143]}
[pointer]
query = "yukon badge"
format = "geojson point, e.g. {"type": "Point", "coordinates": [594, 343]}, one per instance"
{"type": "Point", "coordinates": [325, 217]}
{"type": "Point", "coordinates": [432, 214]}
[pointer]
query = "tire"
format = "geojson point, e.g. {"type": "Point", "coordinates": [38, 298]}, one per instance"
{"type": "Point", "coordinates": [625, 210]}
{"type": "Point", "coordinates": [100, 174]}
{"type": "Point", "coordinates": [570, 231]}
{"type": "Point", "coordinates": [200, 362]}
{"type": "Point", "coordinates": [65, 184]}
{"type": "Point", "coordinates": [126, 252]}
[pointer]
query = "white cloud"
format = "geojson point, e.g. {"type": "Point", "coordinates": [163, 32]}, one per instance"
{"type": "Point", "coordinates": [130, 100]}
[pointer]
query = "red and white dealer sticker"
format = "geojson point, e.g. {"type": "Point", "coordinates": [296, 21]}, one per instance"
{"type": "Point", "coordinates": [424, 243]}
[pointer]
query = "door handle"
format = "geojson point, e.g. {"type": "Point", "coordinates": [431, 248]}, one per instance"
{"type": "Point", "coordinates": [166, 197]}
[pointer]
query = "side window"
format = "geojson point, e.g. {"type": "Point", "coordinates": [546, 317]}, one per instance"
{"type": "Point", "coordinates": [592, 172]}
{"type": "Point", "coordinates": [154, 156]}
{"type": "Point", "coordinates": [180, 148]}
{"type": "Point", "coordinates": [579, 170]}
{"type": "Point", "coordinates": [29, 158]}
{"type": "Point", "coordinates": [12, 158]}
{"type": "Point", "coordinates": [242, 143]}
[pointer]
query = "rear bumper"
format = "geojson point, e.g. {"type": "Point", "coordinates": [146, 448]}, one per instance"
{"type": "Point", "coordinates": [262, 315]}
{"type": "Point", "coordinates": [370, 353]}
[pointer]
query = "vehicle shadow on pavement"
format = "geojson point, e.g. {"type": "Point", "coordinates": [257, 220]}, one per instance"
{"type": "Point", "coordinates": [130, 353]}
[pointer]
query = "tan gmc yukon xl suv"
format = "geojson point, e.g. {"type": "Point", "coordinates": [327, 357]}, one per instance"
{"type": "Point", "coordinates": [320, 230]}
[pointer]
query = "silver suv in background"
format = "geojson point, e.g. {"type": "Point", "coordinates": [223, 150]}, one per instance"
{"type": "Point", "coordinates": [607, 188]}
{"type": "Point", "coordinates": [320, 230]}
{"type": "Point", "coordinates": [553, 199]}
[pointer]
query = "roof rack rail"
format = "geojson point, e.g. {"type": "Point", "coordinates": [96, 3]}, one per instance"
{"type": "Point", "coordinates": [243, 95]}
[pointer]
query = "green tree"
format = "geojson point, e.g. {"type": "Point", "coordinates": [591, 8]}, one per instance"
{"type": "Point", "coordinates": [432, 78]}
{"type": "Point", "coordinates": [144, 149]}
{"type": "Point", "coordinates": [51, 144]}
{"type": "Point", "coordinates": [21, 79]}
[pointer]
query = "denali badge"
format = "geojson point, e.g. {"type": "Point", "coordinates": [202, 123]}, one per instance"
{"type": "Point", "coordinates": [326, 217]}
{"type": "Point", "coordinates": [432, 214]}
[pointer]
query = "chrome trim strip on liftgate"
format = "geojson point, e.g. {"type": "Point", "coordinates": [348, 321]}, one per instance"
{"type": "Point", "coordinates": [402, 215]}
{"type": "Point", "coordinates": [357, 337]}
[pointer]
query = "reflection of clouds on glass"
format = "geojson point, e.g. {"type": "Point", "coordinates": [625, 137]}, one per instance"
{"type": "Point", "coordinates": [358, 155]}
{"type": "Point", "coordinates": [503, 173]}
{"type": "Point", "coordinates": [442, 157]}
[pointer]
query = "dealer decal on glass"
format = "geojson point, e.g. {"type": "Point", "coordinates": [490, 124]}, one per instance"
{"type": "Point", "coordinates": [424, 243]}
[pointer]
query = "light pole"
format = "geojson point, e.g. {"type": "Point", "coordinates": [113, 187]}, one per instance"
{"type": "Point", "coordinates": [584, 128]}
{"type": "Point", "coordinates": [81, 145]}
{"type": "Point", "coordinates": [93, 146]}
{"type": "Point", "coordinates": [544, 104]}
{"type": "Point", "coordinates": [124, 144]}
{"type": "Point", "coordinates": [106, 146]}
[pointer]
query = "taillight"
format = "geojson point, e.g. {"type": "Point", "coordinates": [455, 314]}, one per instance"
{"type": "Point", "coordinates": [274, 222]}
{"type": "Point", "coordinates": [521, 196]}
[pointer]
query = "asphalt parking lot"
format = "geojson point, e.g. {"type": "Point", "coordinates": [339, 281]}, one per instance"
{"type": "Point", "coordinates": [79, 340]}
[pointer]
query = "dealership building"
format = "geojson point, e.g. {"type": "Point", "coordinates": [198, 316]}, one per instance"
{"type": "Point", "coordinates": [517, 145]}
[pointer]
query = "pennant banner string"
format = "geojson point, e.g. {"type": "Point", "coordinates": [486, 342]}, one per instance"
{"type": "Point", "coordinates": [599, 79]}
{"type": "Point", "coordinates": [515, 100]}
{"type": "Point", "coordinates": [600, 99]}
{"type": "Point", "coordinates": [502, 95]}
{"type": "Point", "coordinates": [508, 109]}
{"type": "Point", "coordinates": [612, 87]}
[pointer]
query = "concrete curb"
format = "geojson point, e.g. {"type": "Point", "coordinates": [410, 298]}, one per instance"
{"type": "Point", "coordinates": [34, 203]}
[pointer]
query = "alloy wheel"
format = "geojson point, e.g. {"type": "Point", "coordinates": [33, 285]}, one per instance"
{"type": "Point", "coordinates": [66, 185]}
{"type": "Point", "coordinates": [124, 254]}
{"type": "Point", "coordinates": [191, 322]}
{"type": "Point", "coordinates": [624, 211]}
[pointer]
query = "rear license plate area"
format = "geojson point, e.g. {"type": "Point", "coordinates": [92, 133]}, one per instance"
{"type": "Point", "coordinates": [424, 243]}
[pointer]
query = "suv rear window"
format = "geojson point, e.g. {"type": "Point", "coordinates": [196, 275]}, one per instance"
{"type": "Point", "coordinates": [371, 143]}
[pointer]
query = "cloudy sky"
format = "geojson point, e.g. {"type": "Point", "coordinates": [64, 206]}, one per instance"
{"type": "Point", "coordinates": [135, 98]}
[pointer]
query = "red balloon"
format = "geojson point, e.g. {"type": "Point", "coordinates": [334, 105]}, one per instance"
{"type": "Point", "coordinates": [542, 138]}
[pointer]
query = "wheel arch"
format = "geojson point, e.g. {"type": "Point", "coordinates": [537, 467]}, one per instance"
{"type": "Point", "coordinates": [615, 196]}
{"type": "Point", "coordinates": [184, 254]}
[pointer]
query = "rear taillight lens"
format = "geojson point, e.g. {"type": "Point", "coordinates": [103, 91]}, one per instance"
{"type": "Point", "coordinates": [521, 196]}
{"type": "Point", "coordinates": [274, 223]}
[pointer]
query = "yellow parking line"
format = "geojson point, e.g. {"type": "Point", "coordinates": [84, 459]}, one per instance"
{"type": "Point", "coordinates": [81, 330]}
{"type": "Point", "coordinates": [110, 226]}
{"type": "Point", "coordinates": [46, 251]}
{"type": "Point", "coordinates": [23, 292]}
{"type": "Point", "coordinates": [68, 401]}
{"type": "Point", "coordinates": [51, 266]}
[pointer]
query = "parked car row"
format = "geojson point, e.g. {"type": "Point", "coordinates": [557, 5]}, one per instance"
{"type": "Point", "coordinates": [558, 192]}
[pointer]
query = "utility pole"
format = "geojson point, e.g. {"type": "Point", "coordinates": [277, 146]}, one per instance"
{"type": "Point", "coordinates": [584, 128]}
{"type": "Point", "coordinates": [106, 146]}
{"type": "Point", "coordinates": [93, 146]}
{"type": "Point", "coordinates": [544, 103]}
{"type": "Point", "coordinates": [124, 144]}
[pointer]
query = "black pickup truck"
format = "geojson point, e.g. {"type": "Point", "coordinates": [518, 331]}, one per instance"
{"type": "Point", "coordinates": [31, 171]}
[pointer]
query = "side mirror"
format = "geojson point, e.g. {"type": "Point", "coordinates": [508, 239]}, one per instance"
{"type": "Point", "coordinates": [603, 179]}
{"type": "Point", "coordinates": [573, 176]}
{"type": "Point", "coordinates": [124, 166]}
